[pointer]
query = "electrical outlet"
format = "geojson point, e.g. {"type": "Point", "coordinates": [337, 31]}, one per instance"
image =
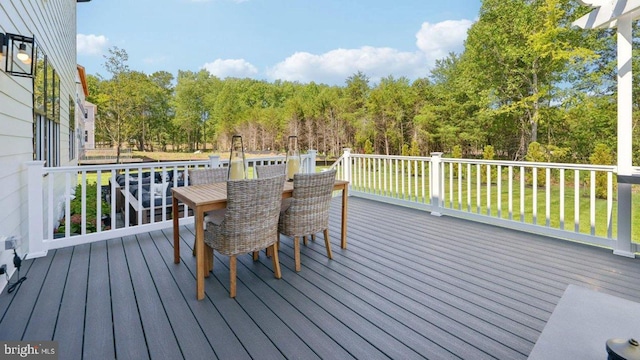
{"type": "Point", "coordinates": [3, 269]}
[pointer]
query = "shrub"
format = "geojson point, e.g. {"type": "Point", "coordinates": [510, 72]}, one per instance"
{"type": "Point", "coordinates": [602, 155]}
{"type": "Point", "coordinates": [75, 208]}
{"type": "Point", "coordinates": [368, 147]}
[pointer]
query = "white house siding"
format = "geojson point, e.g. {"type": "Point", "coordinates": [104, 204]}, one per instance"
{"type": "Point", "coordinates": [53, 24]}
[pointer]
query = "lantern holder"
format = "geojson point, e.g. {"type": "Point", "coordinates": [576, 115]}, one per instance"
{"type": "Point", "coordinates": [18, 52]}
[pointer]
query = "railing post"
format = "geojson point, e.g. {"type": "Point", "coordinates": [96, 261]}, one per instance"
{"type": "Point", "coordinates": [434, 183]}
{"type": "Point", "coordinates": [346, 165]}
{"type": "Point", "coordinates": [35, 201]}
{"type": "Point", "coordinates": [623, 241]}
{"type": "Point", "coordinates": [214, 161]}
{"type": "Point", "coordinates": [311, 164]}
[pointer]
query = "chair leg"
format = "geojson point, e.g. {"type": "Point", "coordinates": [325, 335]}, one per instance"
{"type": "Point", "coordinates": [232, 276]}
{"type": "Point", "coordinates": [304, 240]}
{"type": "Point", "coordinates": [313, 237]}
{"type": "Point", "coordinates": [194, 248]}
{"type": "Point", "coordinates": [327, 243]}
{"type": "Point", "coordinates": [276, 261]}
{"type": "Point", "coordinates": [256, 255]}
{"type": "Point", "coordinates": [296, 251]}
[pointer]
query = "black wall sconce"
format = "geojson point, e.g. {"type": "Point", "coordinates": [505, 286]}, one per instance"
{"type": "Point", "coordinates": [17, 51]}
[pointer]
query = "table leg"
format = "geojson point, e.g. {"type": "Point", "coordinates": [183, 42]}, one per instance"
{"type": "Point", "coordinates": [176, 231]}
{"type": "Point", "coordinates": [343, 242]}
{"type": "Point", "coordinates": [199, 253]}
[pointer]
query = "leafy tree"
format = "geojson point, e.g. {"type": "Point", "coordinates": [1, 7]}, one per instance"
{"type": "Point", "coordinates": [516, 54]}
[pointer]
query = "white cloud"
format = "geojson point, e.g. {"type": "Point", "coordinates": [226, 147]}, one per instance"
{"type": "Point", "coordinates": [434, 41]}
{"type": "Point", "coordinates": [336, 66]}
{"type": "Point", "coordinates": [231, 68]}
{"type": "Point", "coordinates": [437, 40]}
{"type": "Point", "coordinates": [91, 44]}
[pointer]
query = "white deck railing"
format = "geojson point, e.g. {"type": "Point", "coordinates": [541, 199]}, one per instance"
{"type": "Point", "coordinates": [52, 189]}
{"type": "Point", "coordinates": [568, 201]}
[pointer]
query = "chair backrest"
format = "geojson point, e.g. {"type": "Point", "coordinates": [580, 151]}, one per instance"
{"type": "Point", "coordinates": [207, 176]}
{"type": "Point", "coordinates": [251, 219]}
{"type": "Point", "coordinates": [311, 199]}
{"type": "Point", "coordinates": [265, 171]}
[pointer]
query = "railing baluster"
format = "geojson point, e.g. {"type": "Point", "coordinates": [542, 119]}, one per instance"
{"type": "Point", "coordinates": [609, 205]}
{"type": "Point", "coordinates": [50, 204]}
{"type": "Point", "coordinates": [499, 189]}
{"type": "Point", "coordinates": [469, 187]}
{"type": "Point", "coordinates": [451, 197]}
{"type": "Point", "coordinates": [459, 165]}
{"type": "Point", "coordinates": [535, 195]}
{"type": "Point", "coordinates": [522, 193]}
{"type": "Point", "coordinates": [478, 185]}
{"type": "Point", "coordinates": [510, 187]}
{"type": "Point", "coordinates": [548, 198]}
{"type": "Point", "coordinates": [488, 190]}
{"type": "Point", "coordinates": [409, 182]}
{"type": "Point", "coordinates": [83, 203]}
{"type": "Point", "coordinates": [562, 199]}
{"type": "Point", "coordinates": [576, 206]}
{"type": "Point", "coordinates": [415, 179]}
{"type": "Point", "coordinates": [98, 204]}
{"type": "Point", "coordinates": [424, 197]}
{"type": "Point", "coordinates": [592, 204]}
{"type": "Point", "coordinates": [397, 194]}
{"type": "Point", "coordinates": [67, 203]}
{"type": "Point", "coordinates": [113, 197]}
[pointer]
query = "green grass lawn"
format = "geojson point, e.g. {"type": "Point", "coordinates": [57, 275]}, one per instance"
{"type": "Point", "coordinates": [367, 180]}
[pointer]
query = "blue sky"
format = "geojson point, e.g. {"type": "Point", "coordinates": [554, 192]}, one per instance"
{"type": "Point", "coordinates": [324, 41]}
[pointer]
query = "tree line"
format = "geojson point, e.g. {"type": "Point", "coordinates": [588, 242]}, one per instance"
{"type": "Point", "coordinates": [525, 77]}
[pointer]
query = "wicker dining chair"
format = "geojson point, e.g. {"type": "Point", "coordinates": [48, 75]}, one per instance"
{"type": "Point", "coordinates": [307, 211]}
{"type": "Point", "coordinates": [248, 224]}
{"type": "Point", "coordinates": [264, 171]}
{"type": "Point", "coordinates": [207, 176]}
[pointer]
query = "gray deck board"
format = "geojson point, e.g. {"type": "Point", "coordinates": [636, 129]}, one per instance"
{"type": "Point", "coordinates": [69, 329]}
{"type": "Point", "coordinates": [98, 330]}
{"type": "Point", "coordinates": [410, 285]}
{"type": "Point", "coordinates": [127, 328]}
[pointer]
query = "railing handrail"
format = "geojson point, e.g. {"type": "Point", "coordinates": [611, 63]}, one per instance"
{"type": "Point", "coordinates": [566, 166]}
{"type": "Point", "coordinates": [178, 163]}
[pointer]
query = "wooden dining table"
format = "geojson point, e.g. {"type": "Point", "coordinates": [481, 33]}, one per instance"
{"type": "Point", "coordinates": [203, 198]}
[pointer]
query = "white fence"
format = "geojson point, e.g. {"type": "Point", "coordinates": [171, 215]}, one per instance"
{"type": "Point", "coordinates": [568, 201]}
{"type": "Point", "coordinates": [109, 211]}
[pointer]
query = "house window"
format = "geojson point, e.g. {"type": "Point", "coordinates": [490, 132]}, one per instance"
{"type": "Point", "coordinates": [46, 108]}
{"type": "Point", "coordinates": [47, 141]}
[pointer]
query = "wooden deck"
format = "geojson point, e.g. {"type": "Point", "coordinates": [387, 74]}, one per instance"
{"type": "Point", "coordinates": [410, 285]}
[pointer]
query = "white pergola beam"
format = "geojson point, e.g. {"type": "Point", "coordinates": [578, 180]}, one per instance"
{"type": "Point", "coordinates": [607, 13]}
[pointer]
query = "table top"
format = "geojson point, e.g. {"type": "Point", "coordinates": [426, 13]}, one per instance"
{"type": "Point", "coordinates": [199, 195]}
